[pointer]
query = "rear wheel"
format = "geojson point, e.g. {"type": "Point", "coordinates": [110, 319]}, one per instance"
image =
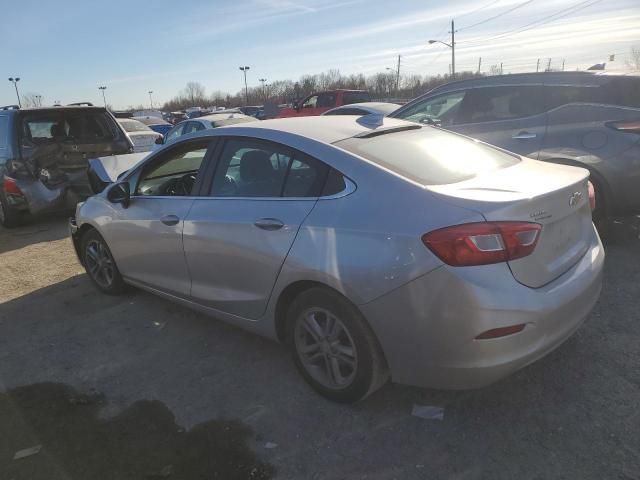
{"type": "Point", "coordinates": [100, 265]}
{"type": "Point", "coordinates": [333, 347]}
{"type": "Point", "coordinates": [9, 217]}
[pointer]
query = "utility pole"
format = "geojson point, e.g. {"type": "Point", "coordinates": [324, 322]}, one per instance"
{"type": "Point", "coordinates": [500, 68]}
{"type": "Point", "coordinates": [246, 90]}
{"type": "Point", "coordinates": [264, 92]}
{"type": "Point", "coordinates": [39, 100]}
{"type": "Point", "coordinates": [549, 65]}
{"type": "Point", "coordinates": [563, 64]}
{"type": "Point", "coordinates": [151, 98]}
{"type": "Point", "coordinates": [479, 64]}
{"type": "Point", "coordinates": [398, 79]}
{"type": "Point", "coordinates": [104, 99]}
{"type": "Point", "coordinates": [453, 51]}
{"type": "Point", "coordinates": [538, 66]}
{"type": "Point", "coordinates": [15, 84]}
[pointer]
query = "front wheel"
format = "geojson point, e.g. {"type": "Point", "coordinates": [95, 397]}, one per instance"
{"type": "Point", "coordinates": [100, 265]}
{"type": "Point", "coordinates": [333, 347]}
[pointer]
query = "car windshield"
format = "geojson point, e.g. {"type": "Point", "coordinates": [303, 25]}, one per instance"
{"type": "Point", "coordinates": [134, 126]}
{"type": "Point", "coordinates": [430, 156]}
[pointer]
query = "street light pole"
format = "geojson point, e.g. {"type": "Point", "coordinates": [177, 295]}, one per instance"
{"type": "Point", "coordinates": [104, 98]}
{"type": "Point", "coordinates": [246, 90]}
{"type": "Point", "coordinates": [452, 46]}
{"type": "Point", "coordinates": [39, 100]}
{"type": "Point", "coordinates": [264, 92]}
{"type": "Point", "coordinates": [151, 98]}
{"type": "Point", "coordinates": [15, 84]}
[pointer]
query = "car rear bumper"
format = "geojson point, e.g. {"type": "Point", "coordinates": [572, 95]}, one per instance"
{"type": "Point", "coordinates": [428, 327]}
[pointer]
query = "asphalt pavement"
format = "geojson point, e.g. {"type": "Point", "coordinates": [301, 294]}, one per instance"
{"type": "Point", "coordinates": [131, 387]}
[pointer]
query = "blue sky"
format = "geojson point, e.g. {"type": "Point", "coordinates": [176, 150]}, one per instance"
{"type": "Point", "coordinates": [64, 50]}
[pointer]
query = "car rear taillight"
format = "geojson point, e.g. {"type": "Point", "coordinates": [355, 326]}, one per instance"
{"type": "Point", "coordinates": [626, 126]}
{"type": "Point", "coordinates": [592, 196]}
{"type": "Point", "coordinates": [483, 243]}
{"type": "Point", "coordinates": [9, 186]}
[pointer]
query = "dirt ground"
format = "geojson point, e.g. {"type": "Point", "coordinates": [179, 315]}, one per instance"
{"type": "Point", "coordinates": [136, 387]}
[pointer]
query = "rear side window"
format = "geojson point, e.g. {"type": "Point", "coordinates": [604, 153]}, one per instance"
{"type": "Point", "coordinates": [4, 134]}
{"type": "Point", "coordinates": [491, 104]}
{"type": "Point", "coordinates": [355, 97]}
{"type": "Point", "coordinates": [429, 156]}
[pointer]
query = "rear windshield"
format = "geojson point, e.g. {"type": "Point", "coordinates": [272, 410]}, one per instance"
{"type": "Point", "coordinates": [429, 156]}
{"type": "Point", "coordinates": [75, 126]}
{"type": "Point", "coordinates": [133, 126]}
{"type": "Point", "coordinates": [355, 97]}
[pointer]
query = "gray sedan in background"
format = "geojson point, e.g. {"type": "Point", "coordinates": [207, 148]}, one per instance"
{"type": "Point", "coordinates": [374, 248]}
{"type": "Point", "coordinates": [586, 119]}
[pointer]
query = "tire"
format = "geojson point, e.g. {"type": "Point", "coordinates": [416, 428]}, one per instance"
{"type": "Point", "coordinates": [333, 347]}
{"type": "Point", "coordinates": [100, 265]}
{"type": "Point", "coordinates": [9, 217]}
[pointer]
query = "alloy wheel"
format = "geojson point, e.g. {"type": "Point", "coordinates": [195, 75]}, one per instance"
{"type": "Point", "coordinates": [100, 265]}
{"type": "Point", "coordinates": [325, 348]}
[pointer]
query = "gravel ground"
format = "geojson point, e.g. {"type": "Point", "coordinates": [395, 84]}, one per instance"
{"type": "Point", "coordinates": [135, 387]}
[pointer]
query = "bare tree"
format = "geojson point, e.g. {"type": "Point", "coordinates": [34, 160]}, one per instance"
{"type": "Point", "coordinates": [634, 62]}
{"type": "Point", "coordinates": [31, 99]}
{"type": "Point", "coordinates": [195, 93]}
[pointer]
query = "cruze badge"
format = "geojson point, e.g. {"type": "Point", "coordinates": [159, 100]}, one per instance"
{"type": "Point", "coordinates": [575, 199]}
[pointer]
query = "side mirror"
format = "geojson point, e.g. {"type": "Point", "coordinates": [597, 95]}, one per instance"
{"type": "Point", "coordinates": [120, 193]}
{"type": "Point", "coordinates": [160, 140]}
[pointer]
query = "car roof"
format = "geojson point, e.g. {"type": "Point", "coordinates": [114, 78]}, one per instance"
{"type": "Point", "coordinates": [531, 77]}
{"type": "Point", "coordinates": [385, 107]}
{"type": "Point", "coordinates": [149, 120]}
{"type": "Point", "coordinates": [216, 117]}
{"type": "Point", "coordinates": [327, 129]}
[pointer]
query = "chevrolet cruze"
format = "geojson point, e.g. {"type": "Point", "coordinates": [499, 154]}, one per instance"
{"type": "Point", "coordinates": [375, 248]}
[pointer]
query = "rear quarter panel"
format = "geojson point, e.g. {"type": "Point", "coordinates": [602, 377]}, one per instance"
{"type": "Point", "coordinates": [577, 132]}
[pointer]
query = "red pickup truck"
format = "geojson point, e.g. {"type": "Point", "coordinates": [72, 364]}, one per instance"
{"type": "Point", "coordinates": [320, 102]}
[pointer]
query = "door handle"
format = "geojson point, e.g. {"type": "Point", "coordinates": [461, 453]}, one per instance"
{"type": "Point", "coordinates": [170, 220]}
{"type": "Point", "coordinates": [269, 224]}
{"type": "Point", "coordinates": [524, 136]}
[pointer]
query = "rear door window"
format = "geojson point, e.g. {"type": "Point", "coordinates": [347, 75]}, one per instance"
{"type": "Point", "coordinates": [622, 91]}
{"type": "Point", "coordinates": [491, 104]}
{"type": "Point", "coordinates": [355, 97]}
{"type": "Point", "coordinates": [326, 100]}
{"type": "Point", "coordinates": [306, 177]}
{"type": "Point", "coordinates": [559, 95]}
{"type": "Point", "coordinates": [4, 134]}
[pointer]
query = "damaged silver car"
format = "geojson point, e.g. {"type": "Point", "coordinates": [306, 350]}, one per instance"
{"type": "Point", "coordinates": [44, 154]}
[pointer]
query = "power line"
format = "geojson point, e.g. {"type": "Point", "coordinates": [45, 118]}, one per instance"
{"type": "Point", "coordinates": [542, 21]}
{"type": "Point", "coordinates": [520, 5]}
{"type": "Point", "coordinates": [477, 9]}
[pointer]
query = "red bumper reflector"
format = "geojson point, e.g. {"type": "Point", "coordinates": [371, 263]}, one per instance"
{"type": "Point", "coordinates": [501, 332]}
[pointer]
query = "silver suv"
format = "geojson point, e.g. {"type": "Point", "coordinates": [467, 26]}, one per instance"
{"type": "Point", "coordinates": [590, 120]}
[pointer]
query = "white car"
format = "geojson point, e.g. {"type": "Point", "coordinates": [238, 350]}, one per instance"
{"type": "Point", "coordinates": [365, 108]}
{"type": "Point", "coordinates": [207, 122]}
{"type": "Point", "coordinates": [142, 137]}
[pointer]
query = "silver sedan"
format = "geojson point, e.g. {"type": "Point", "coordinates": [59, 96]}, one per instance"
{"type": "Point", "coordinates": [375, 248]}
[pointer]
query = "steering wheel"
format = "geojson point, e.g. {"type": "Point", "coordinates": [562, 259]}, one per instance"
{"type": "Point", "coordinates": [179, 187]}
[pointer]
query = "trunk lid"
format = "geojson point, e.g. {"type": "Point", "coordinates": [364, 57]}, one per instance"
{"type": "Point", "coordinates": [555, 196]}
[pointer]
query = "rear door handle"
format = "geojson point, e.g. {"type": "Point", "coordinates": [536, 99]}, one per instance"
{"type": "Point", "coordinates": [170, 220]}
{"type": "Point", "coordinates": [524, 135]}
{"type": "Point", "coordinates": [269, 224]}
